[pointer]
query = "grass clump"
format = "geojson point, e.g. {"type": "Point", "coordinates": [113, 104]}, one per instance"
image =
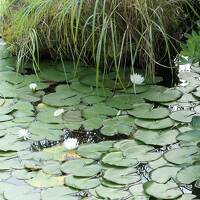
{"type": "Point", "coordinates": [112, 33]}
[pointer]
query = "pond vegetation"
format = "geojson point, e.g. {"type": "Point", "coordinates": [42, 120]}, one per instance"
{"type": "Point", "coordinates": [73, 131]}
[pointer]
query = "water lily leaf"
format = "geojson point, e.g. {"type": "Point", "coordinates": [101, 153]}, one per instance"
{"type": "Point", "coordinates": [21, 192]}
{"type": "Point", "coordinates": [98, 110]}
{"type": "Point", "coordinates": [138, 193]}
{"type": "Point", "coordinates": [42, 180]}
{"type": "Point", "coordinates": [136, 90]}
{"type": "Point", "coordinates": [124, 102]}
{"type": "Point", "coordinates": [4, 118]}
{"type": "Point", "coordinates": [60, 193]}
{"type": "Point", "coordinates": [81, 183]}
{"type": "Point", "coordinates": [160, 138]}
{"type": "Point", "coordinates": [72, 116]}
{"type": "Point", "coordinates": [146, 111]}
{"type": "Point", "coordinates": [195, 123]}
{"type": "Point", "coordinates": [89, 100]}
{"type": "Point", "coordinates": [159, 163]}
{"type": "Point", "coordinates": [167, 173]}
{"type": "Point", "coordinates": [117, 159]}
{"type": "Point", "coordinates": [182, 116]}
{"type": "Point", "coordinates": [93, 151]}
{"type": "Point", "coordinates": [111, 193]}
{"type": "Point", "coordinates": [92, 124]}
{"type": "Point", "coordinates": [169, 190]}
{"type": "Point", "coordinates": [154, 124]}
{"type": "Point", "coordinates": [180, 156]}
{"type": "Point", "coordinates": [118, 125]}
{"type": "Point", "coordinates": [186, 197]}
{"type": "Point", "coordinates": [51, 167]}
{"type": "Point", "coordinates": [190, 136]}
{"type": "Point", "coordinates": [80, 168]}
{"type": "Point", "coordinates": [161, 94]}
{"type": "Point", "coordinates": [11, 77]}
{"type": "Point", "coordinates": [81, 88]}
{"type": "Point", "coordinates": [122, 176]}
{"type": "Point", "coordinates": [189, 174]}
{"type": "Point", "coordinates": [110, 184]}
{"type": "Point", "coordinates": [23, 174]}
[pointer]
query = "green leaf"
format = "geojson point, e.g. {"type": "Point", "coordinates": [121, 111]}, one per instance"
{"type": "Point", "coordinates": [154, 124]}
{"type": "Point", "coordinates": [81, 183]}
{"type": "Point", "coordinates": [182, 116]}
{"type": "Point", "coordinates": [119, 160]}
{"type": "Point", "coordinates": [110, 193]}
{"type": "Point", "coordinates": [189, 174]}
{"type": "Point", "coordinates": [164, 174]}
{"type": "Point", "coordinates": [157, 137]}
{"type": "Point", "coordinates": [146, 111]}
{"type": "Point", "coordinates": [169, 190]}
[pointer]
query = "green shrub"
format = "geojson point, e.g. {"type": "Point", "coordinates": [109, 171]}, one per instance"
{"type": "Point", "coordinates": [192, 46]}
{"type": "Point", "coordinates": [108, 33]}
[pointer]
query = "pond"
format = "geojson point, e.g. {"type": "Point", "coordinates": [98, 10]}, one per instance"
{"type": "Point", "coordinates": [138, 143]}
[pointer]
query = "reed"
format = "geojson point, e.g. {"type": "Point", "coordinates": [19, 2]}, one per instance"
{"type": "Point", "coordinates": [109, 34]}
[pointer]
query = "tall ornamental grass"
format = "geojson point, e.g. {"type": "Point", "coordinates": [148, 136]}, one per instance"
{"type": "Point", "coordinates": [104, 33]}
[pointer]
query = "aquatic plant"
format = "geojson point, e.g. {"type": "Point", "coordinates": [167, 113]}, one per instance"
{"type": "Point", "coordinates": [102, 33]}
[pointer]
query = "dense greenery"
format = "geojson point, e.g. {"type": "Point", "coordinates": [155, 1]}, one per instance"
{"type": "Point", "coordinates": [103, 33]}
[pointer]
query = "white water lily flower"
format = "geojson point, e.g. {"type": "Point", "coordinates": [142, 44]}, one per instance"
{"type": "Point", "coordinates": [185, 68]}
{"type": "Point", "coordinates": [58, 112]}
{"type": "Point", "coordinates": [70, 143]}
{"type": "Point", "coordinates": [24, 134]}
{"type": "Point", "coordinates": [136, 79]}
{"type": "Point", "coordinates": [33, 87]}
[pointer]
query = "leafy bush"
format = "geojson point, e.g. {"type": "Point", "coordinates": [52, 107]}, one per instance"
{"type": "Point", "coordinates": [102, 33]}
{"type": "Point", "coordinates": [192, 46]}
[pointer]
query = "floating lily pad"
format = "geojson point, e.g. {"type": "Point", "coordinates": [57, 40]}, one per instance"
{"type": "Point", "coordinates": [81, 183]}
{"type": "Point", "coordinates": [80, 168]}
{"type": "Point", "coordinates": [164, 174]}
{"type": "Point", "coordinates": [189, 174]}
{"type": "Point", "coordinates": [146, 111]}
{"type": "Point", "coordinates": [157, 137]}
{"type": "Point", "coordinates": [169, 190]}
{"type": "Point", "coordinates": [180, 156]}
{"type": "Point", "coordinates": [117, 159]}
{"type": "Point", "coordinates": [124, 102]}
{"type": "Point", "coordinates": [138, 193]}
{"type": "Point", "coordinates": [111, 193]}
{"type": "Point", "coordinates": [122, 176]}
{"type": "Point", "coordinates": [182, 116]}
{"type": "Point", "coordinates": [93, 123]}
{"type": "Point", "coordinates": [161, 94]}
{"type": "Point", "coordinates": [154, 124]}
{"type": "Point", "coordinates": [43, 180]}
{"type": "Point", "coordinates": [190, 136]}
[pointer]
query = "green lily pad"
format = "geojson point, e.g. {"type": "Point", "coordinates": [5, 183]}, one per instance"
{"type": "Point", "coordinates": [161, 94]}
{"type": "Point", "coordinates": [111, 193]}
{"type": "Point", "coordinates": [124, 102]}
{"type": "Point", "coordinates": [154, 124]}
{"type": "Point", "coordinates": [122, 176]}
{"type": "Point", "coordinates": [138, 193]}
{"type": "Point", "coordinates": [81, 183]}
{"type": "Point", "coordinates": [180, 156]}
{"type": "Point", "coordinates": [169, 190]}
{"type": "Point", "coordinates": [158, 137]}
{"type": "Point", "coordinates": [80, 168]}
{"type": "Point", "coordinates": [146, 111]}
{"type": "Point", "coordinates": [59, 193]}
{"type": "Point", "coordinates": [43, 180]}
{"type": "Point", "coordinates": [92, 124]}
{"type": "Point", "coordinates": [167, 173]}
{"type": "Point", "coordinates": [182, 116]}
{"type": "Point", "coordinates": [189, 174]}
{"type": "Point", "coordinates": [117, 159]}
{"type": "Point", "coordinates": [190, 136]}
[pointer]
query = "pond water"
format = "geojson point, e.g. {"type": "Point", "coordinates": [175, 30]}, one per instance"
{"type": "Point", "coordinates": [135, 143]}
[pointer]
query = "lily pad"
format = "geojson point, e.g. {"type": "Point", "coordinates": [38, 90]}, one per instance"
{"type": "Point", "coordinates": [157, 137]}
{"type": "Point", "coordinates": [146, 111]}
{"type": "Point", "coordinates": [81, 183]}
{"type": "Point", "coordinates": [119, 160]}
{"type": "Point", "coordinates": [169, 190]}
{"type": "Point", "coordinates": [182, 116]}
{"type": "Point", "coordinates": [154, 124]}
